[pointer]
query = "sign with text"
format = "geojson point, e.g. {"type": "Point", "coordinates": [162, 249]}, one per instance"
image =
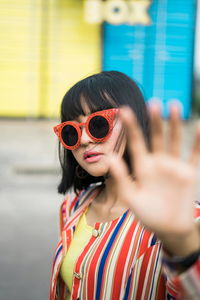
{"type": "Point", "coordinates": [117, 11]}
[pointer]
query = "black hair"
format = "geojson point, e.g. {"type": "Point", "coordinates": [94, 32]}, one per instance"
{"type": "Point", "coordinates": [104, 90]}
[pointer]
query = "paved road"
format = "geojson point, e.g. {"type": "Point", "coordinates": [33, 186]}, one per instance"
{"type": "Point", "coordinates": [29, 206]}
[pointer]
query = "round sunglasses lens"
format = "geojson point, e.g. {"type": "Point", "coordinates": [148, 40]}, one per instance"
{"type": "Point", "coordinates": [98, 127]}
{"type": "Point", "coordinates": [69, 135]}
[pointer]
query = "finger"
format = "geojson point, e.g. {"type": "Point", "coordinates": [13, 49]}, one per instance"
{"type": "Point", "coordinates": [119, 140]}
{"type": "Point", "coordinates": [196, 146]}
{"type": "Point", "coordinates": [119, 172]}
{"type": "Point", "coordinates": [136, 144]}
{"type": "Point", "coordinates": [117, 166]}
{"type": "Point", "coordinates": [174, 131]}
{"type": "Point", "coordinates": [156, 128]}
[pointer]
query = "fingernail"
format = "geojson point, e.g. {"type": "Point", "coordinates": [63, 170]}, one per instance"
{"type": "Point", "coordinates": [175, 106]}
{"type": "Point", "coordinates": [154, 107]}
{"type": "Point", "coordinates": [124, 110]}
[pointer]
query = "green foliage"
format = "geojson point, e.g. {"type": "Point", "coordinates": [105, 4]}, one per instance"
{"type": "Point", "coordinates": [196, 102]}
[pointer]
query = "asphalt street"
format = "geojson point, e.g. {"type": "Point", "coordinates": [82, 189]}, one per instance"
{"type": "Point", "coordinates": [29, 208]}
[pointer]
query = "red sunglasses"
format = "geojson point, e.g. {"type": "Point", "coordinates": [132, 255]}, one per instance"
{"type": "Point", "coordinates": [98, 126]}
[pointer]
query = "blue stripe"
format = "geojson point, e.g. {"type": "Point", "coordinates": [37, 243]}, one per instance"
{"type": "Point", "coordinates": [58, 251]}
{"type": "Point", "coordinates": [105, 255]}
{"type": "Point", "coordinates": [81, 196]}
{"type": "Point", "coordinates": [128, 287]}
{"type": "Point", "coordinates": [76, 205]}
{"type": "Point", "coordinates": [153, 277]}
{"type": "Point", "coordinates": [169, 297]}
{"type": "Point", "coordinates": [153, 241]}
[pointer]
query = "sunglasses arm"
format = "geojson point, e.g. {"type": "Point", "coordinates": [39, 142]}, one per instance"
{"type": "Point", "coordinates": [57, 129]}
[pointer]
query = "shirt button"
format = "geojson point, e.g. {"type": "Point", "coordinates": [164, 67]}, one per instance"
{"type": "Point", "coordinates": [78, 275]}
{"type": "Point", "coordinates": [95, 232]}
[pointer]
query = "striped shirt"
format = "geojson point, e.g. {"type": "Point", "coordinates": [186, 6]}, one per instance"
{"type": "Point", "coordinates": [122, 260]}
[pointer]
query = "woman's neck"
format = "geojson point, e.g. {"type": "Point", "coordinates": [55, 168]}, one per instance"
{"type": "Point", "coordinates": [108, 195]}
{"type": "Point", "coordinates": [106, 206]}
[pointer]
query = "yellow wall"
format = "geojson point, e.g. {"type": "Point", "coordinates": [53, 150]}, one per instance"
{"type": "Point", "coordinates": [45, 48]}
{"type": "Point", "coordinates": [18, 58]}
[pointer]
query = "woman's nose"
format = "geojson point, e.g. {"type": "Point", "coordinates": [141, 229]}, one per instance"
{"type": "Point", "coordinates": [85, 138]}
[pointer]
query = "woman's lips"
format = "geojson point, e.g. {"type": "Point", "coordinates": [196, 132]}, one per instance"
{"type": "Point", "coordinates": [92, 156]}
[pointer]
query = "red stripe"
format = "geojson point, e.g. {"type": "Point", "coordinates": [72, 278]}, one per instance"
{"type": "Point", "coordinates": [111, 251]}
{"type": "Point", "coordinates": [171, 290]}
{"type": "Point", "coordinates": [94, 261]}
{"type": "Point", "coordinates": [74, 218]}
{"type": "Point", "coordinates": [143, 273]}
{"type": "Point", "coordinates": [79, 262]}
{"type": "Point", "coordinates": [117, 282]}
{"type": "Point", "coordinates": [145, 242]}
{"type": "Point", "coordinates": [197, 267]}
{"type": "Point", "coordinates": [197, 212]}
{"type": "Point", "coordinates": [74, 202]}
{"type": "Point", "coordinates": [152, 263]}
{"type": "Point", "coordinates": [161, 288]}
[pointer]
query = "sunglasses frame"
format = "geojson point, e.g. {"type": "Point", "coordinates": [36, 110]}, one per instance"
{"type": "Point", "coordinates": [108, 114]}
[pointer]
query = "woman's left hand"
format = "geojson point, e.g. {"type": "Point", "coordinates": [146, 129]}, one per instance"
{"type": "Point", "coordinates": [162, 196]}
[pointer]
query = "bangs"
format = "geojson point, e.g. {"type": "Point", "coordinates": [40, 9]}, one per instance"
{"type": "Point", "coordinates": [86, 92]}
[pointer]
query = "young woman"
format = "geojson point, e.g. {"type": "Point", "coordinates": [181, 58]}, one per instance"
{"type": "Point", "coordinates": [128, 228]}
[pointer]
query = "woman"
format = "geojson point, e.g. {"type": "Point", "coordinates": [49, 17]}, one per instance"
{"type": "Point", "coordinates": [129, 232]}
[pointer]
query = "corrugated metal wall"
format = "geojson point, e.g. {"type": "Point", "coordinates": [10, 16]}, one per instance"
{"type": "Point", "coordinates": [45, 48]}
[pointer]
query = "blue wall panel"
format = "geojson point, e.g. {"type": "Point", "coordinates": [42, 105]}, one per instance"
{"type": "Point", "coordinates": [158, 56]}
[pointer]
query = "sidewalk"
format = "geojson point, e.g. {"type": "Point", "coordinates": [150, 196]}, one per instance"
{"type": "Point", "coordinates": [29, 175]}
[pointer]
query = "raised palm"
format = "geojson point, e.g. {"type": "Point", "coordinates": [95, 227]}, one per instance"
{"type": "Point", "coordinates": [162, 196]}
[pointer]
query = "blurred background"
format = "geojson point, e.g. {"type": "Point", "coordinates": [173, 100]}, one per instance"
{"type": "Point", "coordinates": [47, 46]}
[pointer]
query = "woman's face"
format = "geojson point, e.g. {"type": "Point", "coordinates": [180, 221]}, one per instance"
{"type": "Point", "coordinates": [96, 166]}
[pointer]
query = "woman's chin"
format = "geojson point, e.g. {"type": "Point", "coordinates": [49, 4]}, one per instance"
{"type": "Point", "coordinates": [96, 172]}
